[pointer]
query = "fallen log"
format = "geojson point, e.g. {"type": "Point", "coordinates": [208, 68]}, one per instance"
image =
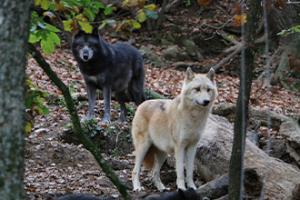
{"type": "Point", "coordinates": [228, 111]}
{"type": "Point", "coordinates": [218, 187]}
{"type": "Point", "coordinates": [279, 179]}
{"type": "Point", "coordinates": [215, 188]}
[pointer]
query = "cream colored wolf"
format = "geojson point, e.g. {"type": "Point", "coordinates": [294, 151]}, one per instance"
{"type": "Point", "coordinates": [162, 127]}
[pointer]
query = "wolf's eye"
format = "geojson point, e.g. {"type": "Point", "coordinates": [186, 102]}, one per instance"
{"type": "Point", "coordinates": [208, 89]}
{"type": "Point", "coordinates": [197, 89]}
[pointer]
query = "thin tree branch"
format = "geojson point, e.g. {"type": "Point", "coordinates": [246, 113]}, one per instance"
{"type": "Point", "coordinates": [237, 50]}
{"type": "Point", "coordinates": [84, 139]}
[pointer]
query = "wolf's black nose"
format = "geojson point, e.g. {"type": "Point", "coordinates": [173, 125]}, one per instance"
{"type": "Point", "coordinates": [85, 56]}
{"type": "Point", "coordinates": [205, 102]}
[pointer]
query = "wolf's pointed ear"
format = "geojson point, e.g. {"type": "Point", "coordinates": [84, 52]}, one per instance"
{"type": "Point", "coordinates": [78, 33]}
{"type": "Point", "coordinates": [211, 74]}
{"type": "Point", "coordinates": [189, 74]}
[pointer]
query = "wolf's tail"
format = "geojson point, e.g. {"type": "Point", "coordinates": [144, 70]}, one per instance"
{"type": "Point", "coordinates": [150, 156]}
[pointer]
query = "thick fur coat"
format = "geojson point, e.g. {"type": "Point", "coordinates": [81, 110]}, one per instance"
{"type": "Point", "coordinates": [114, 68]}
{"type": "Point", "coordinates": [162, 127]}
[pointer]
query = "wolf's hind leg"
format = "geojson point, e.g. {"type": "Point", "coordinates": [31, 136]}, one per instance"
{"type": "Point", "coordinates": [160, 158]}
{"type": "Point", "coordinates": [136, 92]}
{"type": "Point", "coordinates": [141, 149]}
{"type": "Point", "coordinates": [136, 85]}
{"type": "Point", "coordinates": [121, 98]}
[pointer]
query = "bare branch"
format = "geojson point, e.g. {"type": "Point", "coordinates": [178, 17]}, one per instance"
{"type": "Point", "coordinates": [237, 49]}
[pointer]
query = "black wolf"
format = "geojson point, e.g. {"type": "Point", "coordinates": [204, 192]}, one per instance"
{"type": "Point", "coordinates": [109, 67]}
{"type": "Point", "coordinates": [83, 197]}
{"type": "Point", "coordinates": [189, 194]}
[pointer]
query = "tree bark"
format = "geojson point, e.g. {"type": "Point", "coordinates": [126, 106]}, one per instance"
{"type": "Point", "coordinates": [282, 16]}
{"type": "Point", "coordinates": [14, 29]}
{"type": "Point", "coordinates": [241, 120]}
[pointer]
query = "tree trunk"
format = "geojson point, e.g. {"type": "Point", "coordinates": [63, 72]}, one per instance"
{"type": "Point", "coordinates": [282, 16]}
{"type": "Point", "coordinates": [241, 120]}
{"type": "Point", "coordinates": [14, 28]}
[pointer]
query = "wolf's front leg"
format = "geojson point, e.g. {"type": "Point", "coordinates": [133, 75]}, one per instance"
{"type": "Point", "coordinates": [179, 156]}
{"type": "Point", "coordinates": [189, 165]}
{"type": "Point", "coordinates": [91, 92]}
{"type": "Point", "coordinates": [107, 100]}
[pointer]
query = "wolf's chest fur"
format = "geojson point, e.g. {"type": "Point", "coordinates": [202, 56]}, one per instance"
{"type": "Point", "coordinates": [105, 78]}
{"type": "Point", "coordinates": [188, 124]}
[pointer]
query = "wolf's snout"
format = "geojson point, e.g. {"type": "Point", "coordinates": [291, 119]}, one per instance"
{"type": "Point", "coordinates": [85, 55]}
{"type": "Point", "coordinates": [205, 102]}
{"type": "Point", "coordinates": [202, 103]}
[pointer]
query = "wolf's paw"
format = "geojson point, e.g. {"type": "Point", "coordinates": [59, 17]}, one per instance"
{"type": "Point", "coordinates": [87, 118]}
{"type": "Point", "coordinates": [138, 189]}
{"type": "Point", "coordinates": [181, 184]}
{"type": "Point", "coordinates": [105, 120]}
{"type": "Point", "coordinates": [192, 185]}
{"type": "Point", "coordinates": [161, 187]}
{"type": "Point", "coordinates": [166, 189]}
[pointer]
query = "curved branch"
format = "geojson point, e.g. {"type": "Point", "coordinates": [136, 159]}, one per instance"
{"type": "Point", "coordinates": [83, 138]}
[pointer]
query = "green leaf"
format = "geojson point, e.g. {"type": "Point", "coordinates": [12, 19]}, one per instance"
{"type": "Point", "coordinates": [86, 26]}
{"type": "Point", "coordinates": [141, 16]}
{"type": "Point", "coordinates": [151, 7]}
{"type": "Point", "coordinates": [108, 10]}
{"type": "Point", "coordinates": [89, 14]}
{"type": "Point", "coordinates": [68, 25]}
{"type": "Point", "coordinates": [54, 37]}
{"type": "Point", "coordinates": [44, 4]}
{"type": "Point", "coordinates": [34, 38]}
{"type": "Point", "coordinates": [37, 2]}
{"type": "Point", "coordinates": [98, 5]}
{"type": "Point", "coordinates": [28, 127]}
{"type": "Point", "coordinates": [296, 29]}
{"type": "Point", "coordinates": [47, 46]}
{"type": "Point", "coordinates": [44, 110]}
{"type": "Point", "coordinates": [51, 28]}
{"type": "Point", "coordinates": [136, 25]}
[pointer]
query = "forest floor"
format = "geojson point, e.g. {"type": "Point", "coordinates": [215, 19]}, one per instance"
{"type": "Point", "coordinates": [55, 167]}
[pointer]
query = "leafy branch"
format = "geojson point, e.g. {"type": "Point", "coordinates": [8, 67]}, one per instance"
{"type": "Point", "coordinates": [52, 17]}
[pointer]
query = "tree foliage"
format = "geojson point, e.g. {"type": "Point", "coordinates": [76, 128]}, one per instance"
{"type": "Point", "coordinates": [51, 17]}
{"type": "Point", "coordinates": [293, 29]}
